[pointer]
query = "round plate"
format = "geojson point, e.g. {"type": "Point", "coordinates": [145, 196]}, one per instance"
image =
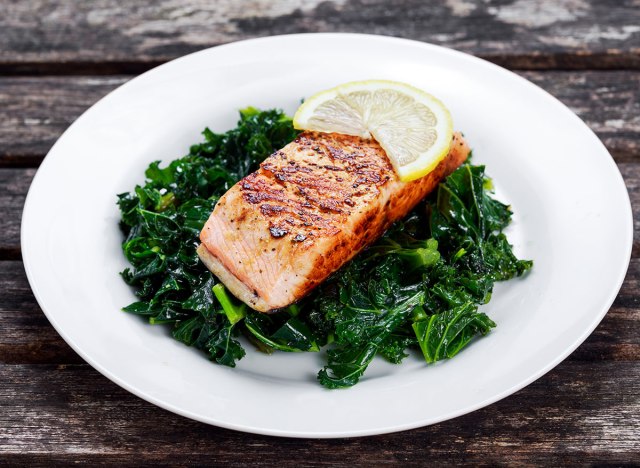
{"type": "Point", "coordinates": [572, 217]}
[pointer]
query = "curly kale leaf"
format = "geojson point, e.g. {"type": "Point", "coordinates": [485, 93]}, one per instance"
{"type": "Point", "coordinates": [348, 362]}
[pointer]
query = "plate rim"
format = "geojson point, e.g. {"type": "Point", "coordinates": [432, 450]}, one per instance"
{"type": "Point", "coordinates": [628, 234]}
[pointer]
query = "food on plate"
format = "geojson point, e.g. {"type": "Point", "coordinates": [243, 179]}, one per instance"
{"type": "Point", "coordinates": [370, 152]}
{"type": "Point", "coordinates": [309, 209]}
{"type": "Point", "coordinates": [417, 287]}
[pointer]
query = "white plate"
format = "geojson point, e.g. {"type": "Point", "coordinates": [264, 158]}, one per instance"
{"type": "Point", "coordinates": [572, 216]}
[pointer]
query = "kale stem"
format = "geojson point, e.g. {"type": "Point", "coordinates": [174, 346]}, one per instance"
{"type": "Point", "coordinates": [234, 313]}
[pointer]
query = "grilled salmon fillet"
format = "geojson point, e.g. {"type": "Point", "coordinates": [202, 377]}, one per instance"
{"type": "Point", "coordinates": [310, 208]}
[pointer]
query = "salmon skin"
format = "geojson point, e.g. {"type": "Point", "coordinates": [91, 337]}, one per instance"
{"type": "Point", "coordinates": [309, 209]}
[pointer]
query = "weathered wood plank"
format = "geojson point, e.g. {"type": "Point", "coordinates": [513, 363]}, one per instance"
{"type": "Point", "coordinates": [28, 338]}
{"type": "Point", "coordinates": [27, 335]}
{"type": "Point", "coordinates": [608, 102]}
{"type": "Point", "coordinates": [631, 175]}
{"type": "Point", "coordinates": [15, 184]}
{"type": "Point", "coordinates": [35, 111]}
{"type": "Point", "coordinates": [578, 413]}
{"type": "Point", "coordinates": [49, 36]}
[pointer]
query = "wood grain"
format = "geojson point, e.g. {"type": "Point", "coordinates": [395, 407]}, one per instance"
{"type": "Point", "coordinates": [27, 336]}
{"type": "Point", "coordinates": [35, 111]}
{"type": "Point", "coordinates": [578, 413]}
{"type": "Point", "coordinates": [15, 184]}
{"type": "Point", "coordinates": [608, 102]}
{"type": "Point", "coordinates": [108, 36]}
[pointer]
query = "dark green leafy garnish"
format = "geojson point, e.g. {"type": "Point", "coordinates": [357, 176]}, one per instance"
{"type": "Point", "coordinates": [419, 287]}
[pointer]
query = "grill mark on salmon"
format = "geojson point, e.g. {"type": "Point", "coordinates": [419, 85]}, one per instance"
{"type": "Point", "coordinates": [310, 208]}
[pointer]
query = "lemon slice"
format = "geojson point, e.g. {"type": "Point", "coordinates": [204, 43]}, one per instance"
{"type": "Point", "coordinates": [413, 127]}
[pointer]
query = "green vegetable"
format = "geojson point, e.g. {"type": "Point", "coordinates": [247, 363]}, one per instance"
{"type": "Point", "coordinates": [234, 312]}
{"type": "Point", "coordinates": [444, 335]}
{"type": "Point", "coordinates": [419, 286]}
{"type": "Point", "coordinates": [289, 335]}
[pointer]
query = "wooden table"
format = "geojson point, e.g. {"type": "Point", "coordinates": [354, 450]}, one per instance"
{"type": "Point", "coordinates": [59, 57]}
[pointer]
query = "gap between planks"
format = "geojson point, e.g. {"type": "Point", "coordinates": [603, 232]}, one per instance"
{"type": "Point", "coordinates": [525, 62]}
